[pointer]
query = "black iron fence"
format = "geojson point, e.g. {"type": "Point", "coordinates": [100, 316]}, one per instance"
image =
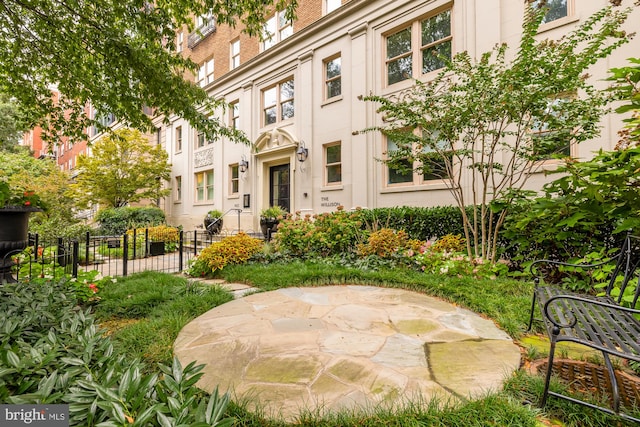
{"type": "Point", "coordinates": [168, 250]}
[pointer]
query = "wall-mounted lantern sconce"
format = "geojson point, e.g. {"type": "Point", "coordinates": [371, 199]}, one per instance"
{"type": "Point", "coordinates": [243, 165]}
{"type": "Point", "coordinates": [302, 153]}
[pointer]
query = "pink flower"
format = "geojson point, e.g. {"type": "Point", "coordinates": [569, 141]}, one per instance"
{"type": "Point", "coordinates": [93, 287]}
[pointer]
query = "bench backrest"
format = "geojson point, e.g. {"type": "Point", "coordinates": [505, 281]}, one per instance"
{"type": "Point", "coordinates": [625, 275]}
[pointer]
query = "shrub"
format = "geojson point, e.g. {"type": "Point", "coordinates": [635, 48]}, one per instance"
{"type": "Point", "coordinates": [116, 221]}
{"type": "Point", "coordinates": [296, 236]}
{"type": "Point", "coordinates": [449, 243]}
{"type": "Point", "coordinates": [325, 234]}
{"type": "Point", "coordinates": [235, 249]}
{"type": "Point", "coordinates": [384, 243]}
{"type": "Point", "coordinates": [53, 352]}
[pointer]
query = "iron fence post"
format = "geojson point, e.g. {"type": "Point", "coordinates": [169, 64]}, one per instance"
{"type": "Point", "coordinates": [125, 253]}
{"type": "Point", "coordinates": [36, 244]}
{"type": "Point", "coordinates": [76, 258]}
{"type": "Point", "coordinates": [181, 251]}
{"type": "Point", "coordinates": [134, 243]}
{"type": "Point", "coordinates": [86, 248]}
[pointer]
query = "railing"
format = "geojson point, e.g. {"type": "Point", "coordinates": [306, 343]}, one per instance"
{"type": "Point", "coordinates": [200, 33]}
{"type": "Point", "coordinates": [111, 255]}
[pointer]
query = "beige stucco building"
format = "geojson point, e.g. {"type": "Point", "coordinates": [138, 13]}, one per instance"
{"type": "Point", "coordinates": [297, 96]}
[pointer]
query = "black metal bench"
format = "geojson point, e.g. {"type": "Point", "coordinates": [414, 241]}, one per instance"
{"type": "Point", "coordinates": [608, 322]}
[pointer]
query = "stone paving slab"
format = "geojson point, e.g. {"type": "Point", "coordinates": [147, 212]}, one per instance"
{"type": "Point", "coordinates": [345, 347]}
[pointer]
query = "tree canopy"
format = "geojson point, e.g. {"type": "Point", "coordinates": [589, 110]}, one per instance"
{"type": "Point", "coordinates": [123, 168]}
{"type": "Point", "coordinates": [118, 55]}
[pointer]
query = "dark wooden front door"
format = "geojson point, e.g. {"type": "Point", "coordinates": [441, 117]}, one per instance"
{"type": "Point", "coordinates": [279, 186]}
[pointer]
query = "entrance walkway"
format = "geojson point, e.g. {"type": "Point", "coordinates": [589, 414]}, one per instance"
{"type": "Point", "coordinates": [334, 347]}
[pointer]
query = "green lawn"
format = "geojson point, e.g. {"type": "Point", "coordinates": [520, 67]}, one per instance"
{"type": "Point", "coordinates": [146, 311]}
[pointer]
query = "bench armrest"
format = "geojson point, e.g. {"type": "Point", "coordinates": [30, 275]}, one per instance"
{"type": "Point", "coordinates": [591, 301]}
{"type": "Point", "coordinates": [568, 264]}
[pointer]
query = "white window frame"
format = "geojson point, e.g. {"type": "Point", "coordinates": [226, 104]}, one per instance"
{"type": "Point", "coordinates": [331, 5]}
{"type": "Point", "coordinates": [234, 50]}
{"type": "Point", "coordinates": [180, 41]}
{"type": "Point", "coordinates": [276, 29]}
{"type": "Point", "coordinates": [328, 165]}
{"type": "Point", "coordinates": [234, 179]}
{"type": "Point", "coordinates": [234, 114]}
{"type": "Point", "coordinates": [330, 80]}
{"type": "Point", "coordinates": [179, 137]}
{"type": "Point", "coordinates": [204, 188]}
{"type": "Point", "coordinates": [279, 101]}
{"type": "Point", "coordinates": [417, 50]}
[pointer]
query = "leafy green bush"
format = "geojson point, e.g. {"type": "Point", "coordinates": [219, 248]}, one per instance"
{"type": "Point", "coordinates": [324, 234]}
{"type": "Point", "coordinates": [587, 210]}
{"type": "Point", "coordinates": [53, 352]}
{"type": "Point", "coordinates": [418, 223]}
{"type": "Point", "coordinates": [235, 249]}
{"type": "Point", "coordinates": [116, 221]}
{"type": "Point", "coordinates": [387, 243]}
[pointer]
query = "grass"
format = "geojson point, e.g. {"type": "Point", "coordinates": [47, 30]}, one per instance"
{"type": "Point", "coordinates": [146, 311]}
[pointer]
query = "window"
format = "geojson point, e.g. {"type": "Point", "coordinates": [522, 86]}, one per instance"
{"type": "Point", "coordinates": [205, 73]}
{"type": "Point", "coordinates": [433, 162]}
{"type": "Point", "coordinates": [400, 171]}
{"type": "Point", "coordinates": [178, 139]}
{"type": "Point", "coordinates": [556, 9]}
{"type": "Point", "coordinates": [204, 20]}
{"type": "Point", "coordinates": [333, 5]}
{"type": "Point", "coordinates": [200, 140]}
{"type": "Point", "coordinates": [277, 102]}
{"type": "Point", "coordinates": [234, 115]}
{"type": "Point", "coordinates": [333, 164]}
{"type": "Point", "coordinates": [433, 37]}
{"type": "Point", "coordinates": [333, 77]}
{"type": "Point", "coordinates": [178, 193]}
{"type": "Point", "coordinates": [276, 29]}
{"type": "Point", "coordinates": [234, 181]}
{"type": "Point", "coordinates": [235, 54]}
{"type": "Point", "coordinates": [549, 136]}
{"type": "Point", "coordinates": [204, 186]}
{"type": "Point", "coordinates": [179, 41]}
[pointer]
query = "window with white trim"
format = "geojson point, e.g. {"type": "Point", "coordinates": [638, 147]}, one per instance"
{"type": "Point", "coordinates": [201, 140]}
{"type": "Point", "coordinates": [332, 5]}
{"type": "Point", "coordinates": [179, 41]}
{"type": "Point", "coordinates": [235, 54]}
{"type": "Point", "coordinates": [278, 102]}
{"type": "Point", "coordinates": [556, 9]}
{"type": "Point", "coordinates": [429, 40]}
{"type": "Point", "coordinates": [234, 180]}
{"type": "Point", "coordinates": [400, 171]}
{"type": "Point", "coordinates": [234, 115]}
{"type": "Point", "coordinates": [333, 77]}
{"type": "Point", "coordinates": [178, 139]}
{"type": "Point", "coordinates": [549, 138]}
{"type": "Point", "coordinates": [333, 163]}
{"type": "Point", "coordinates": [276, 29]}
{"type": "Point", "coordinates": [204, 186]}
{"type": "Point", "coordinates": [205, 73]}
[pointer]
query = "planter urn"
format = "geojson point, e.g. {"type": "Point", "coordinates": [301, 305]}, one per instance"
{"type": "Point", "coordinates": [212, 225]}
{"type": "Point", "coordinates": [14, 226]}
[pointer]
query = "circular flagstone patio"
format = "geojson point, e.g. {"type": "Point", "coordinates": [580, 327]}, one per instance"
{"type": "Point", "coordinates": [336, 347]}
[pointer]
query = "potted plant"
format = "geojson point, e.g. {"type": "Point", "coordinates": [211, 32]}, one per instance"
{"type": "Point", "coordinates": [15, 206]}
{"type": "Point", "coordinates": [269, 220]}
{"type": "Point", "coordinates": [213, 221]}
